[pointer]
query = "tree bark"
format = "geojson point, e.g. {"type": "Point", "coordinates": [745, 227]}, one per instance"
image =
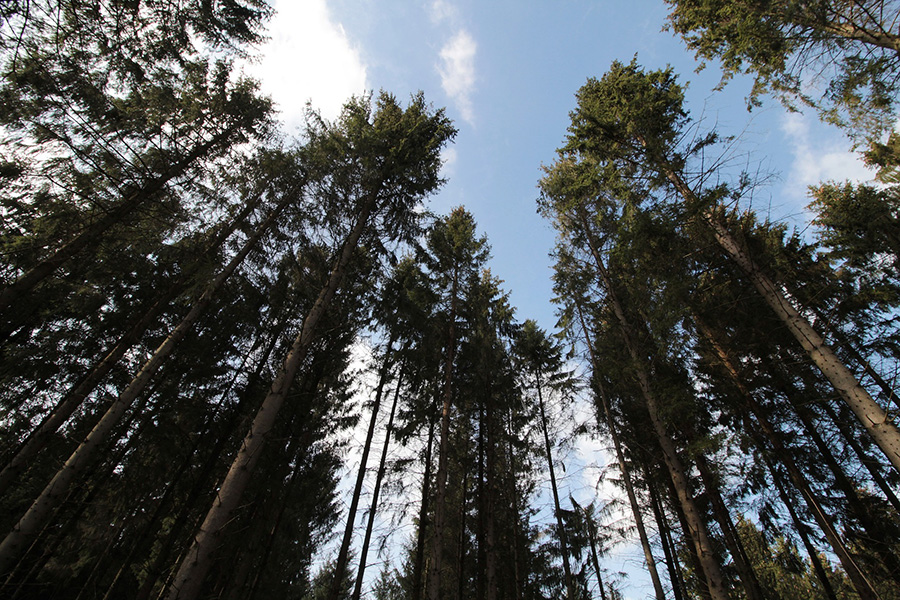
{"type": "Point", "coordinates": [341, 562]}
{"type": "Point", "coordinates": [189, 579]}
{"type": "Point", "coordinates": [677, 473]}
{"type": "Point", "coordinates": [38, 440]}
{"type": "Point", "coordinates": [31, 522]}
{"type": "Point", "coordinates": [419, 564]}
{"type": "Point", "coordinates": [623, 468]}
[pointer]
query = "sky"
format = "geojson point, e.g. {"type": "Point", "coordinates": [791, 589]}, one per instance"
{"type": "Point", "coordinates": [507, 73]}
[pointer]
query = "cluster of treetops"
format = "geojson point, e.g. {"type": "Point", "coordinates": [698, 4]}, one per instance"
{"type": "Point", "coordinates": [184, 291]}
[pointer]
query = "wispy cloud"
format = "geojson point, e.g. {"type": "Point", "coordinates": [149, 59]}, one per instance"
{"type": "Point", "coordinates": [441, 10]}
{"type": "Point", "coordinates": [816, 161]}
{"type": "Point", "coordinates": [309, 57]}
{"type": "Point", "coordinates": [457, 70]}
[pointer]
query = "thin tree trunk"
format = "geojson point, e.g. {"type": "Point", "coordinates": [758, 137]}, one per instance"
{"type": "Point", "coordinates": [419, 564]}
{"type": "Point", "coordinates": [677, 473]}
{"type": "Point", "coordinates": [30, 523]}
{"type": "Point", "coordinates": [189, 579]}
{"type": "Point", "coordinates": [518, 569]}
{"type": "Point", "coordinates": [490, 534]}
{"type": "Point", "coordinates": [563, 538]}
{"type": "Point", "coordinates": [870, 413]}
{"type": "Point", "coordinates": [803, 532]}
{"type": "Point", "coordinates": [874, 532]}
{"type": "Point", "coordinates": [872, 465]}
{"type": "Point", "coordinates": [732, 541]}
{"type": "Point", "coordinates": [341, 563]}
{"type": "Point", "coordinates": [373, 508]}
{"type": "Point", "coordinates": [668, 545]}
{"type": "Point", "coordinates": [857, 577]}
{"type": "Point", "coordinates": [39, 438]}
{"type": "Point", "coordinates": [440, 501]}
{"type": "Point", "coordinates": [626, 475]}
{"type": "Point", "coordinates": [91, 234]}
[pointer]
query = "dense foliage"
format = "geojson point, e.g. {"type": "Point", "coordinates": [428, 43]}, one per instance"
{"type": "Point", "coordinates": [205, 326]}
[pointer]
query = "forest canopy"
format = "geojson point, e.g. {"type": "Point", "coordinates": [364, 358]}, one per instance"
{"type": "Point", "coordinates": [238, 364]}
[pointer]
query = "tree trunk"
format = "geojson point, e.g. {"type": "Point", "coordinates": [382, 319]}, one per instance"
{"type": "Point", "coordinates": [30, 523]}
{"type": "Point", "coordinates": [189, 579]}
{"type": "Point", "coordinates": [419, 564]}
{"type": "Point", "coordinates": [341, 564]}
{"type": "Point", "coordinates": [732, 541]}
{"type": "Point", "coordinates": [626, 475]}
{"type": "Point", "coordinates": [563, 539]}
{"type": "Point", "coordinates": [857, 577]}
{"type": "Point", "coordinates": [373, 508]}
{"type": "Point", "coordinates": [870, 414]}
{"type": "Point", "coordinates": [38, 440]}
{"type": "Point", "coordinates": [668, 545]}
{"type": "Point", "coordinates": [698, 532]}
{"type": "Point", "coordinates": [440, 501]}
{"type": "Point", "coordinates": [803, 532]}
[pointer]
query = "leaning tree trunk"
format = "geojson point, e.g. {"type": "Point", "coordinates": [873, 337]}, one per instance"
{"type": "Point", "coordinates": [373, 508]}
{"type": "Point", "coordinates": [626, 475]}
{"type": "Point", "coordinates": [563, 539]}
{"type": "Point", "coordinates": [92, 233]}
{"type": "Point", "coordinates": [857, 577]}
{"type": "Point", "coordinates": [870, 414]}
{"type": "Point", "coordinates": [189, 578]}
{"type": "Point", "coordinates": [39, 438]}
{"type": "Point", "coordinates": [698, 531]}
{"type": "Point", "coordinates": [20, 537]}
{"type": "Point", "coordinates": [341, 564]}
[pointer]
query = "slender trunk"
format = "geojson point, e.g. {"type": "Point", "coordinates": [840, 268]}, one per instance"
{"type": "Point", "coordinates": [91, 234]}
{"type": "Point", "coordinates": [461, 541]}
{"type": "Point", "coordinates": [518, 569]}
{"type": "Point", "coordinates": [563, 539]}
{"type": "Point", "coordinates": [732, 541]}
{"type": "Point", "coordinates": [872, 465]}
{"type": "Point", "coordinates": [189, 579]}
{"type": "Point", "coordinates": [857, 577]}
{"type": "Point", "coordinates": [626, 474]}
{"type": "Point", "coordinates": [341, 563]}
{"type": "Point", "coordinates": [592, 538]}
{"type": "Point", "coordinates": [677, 473]}
{"type": "Point", "coordinates": [803, 532]}
{"type": "Point", "coordinates": [30, 523]}
{"type": "Point", "coordinates": [419, 565]}
{"type": "Point", "coordinates": [39, 438]}
{"type": "Point", "coordinates": [689, 544]}
{"type": "Point", "coordinates": [668, 545]}
{"type": "Point", "coordinates": [373, 509]}
{"type": "Point", "coordinates": [870, 413]}
{"type": "Point", "coordinates": [440, 501]}
{"type": "Point", "coordinates": [490, 534]}
{"type": "Point", "coordinates": [874, 531]}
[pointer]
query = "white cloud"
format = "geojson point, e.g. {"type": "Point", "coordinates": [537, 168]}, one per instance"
{"type": "Point", "coordinates": [817, 161]}
{"type": "Point", "coordinates": [308, 58]}
{"type": "Point", "coordinates": [441, 10]}
{"type": "Point", "coordinates": [457, 72]}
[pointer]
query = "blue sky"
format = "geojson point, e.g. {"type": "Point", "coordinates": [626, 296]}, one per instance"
{"type": "Point", "coordinates": [507, 73]}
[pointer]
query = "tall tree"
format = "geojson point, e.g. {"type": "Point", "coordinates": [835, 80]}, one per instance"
{"type": "Point", "coordinates": [372, 165]}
